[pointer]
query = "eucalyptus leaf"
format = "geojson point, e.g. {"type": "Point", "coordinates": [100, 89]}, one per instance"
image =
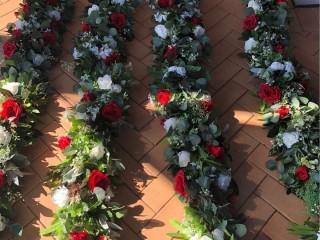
{"type": "Point", "coordinates": [100, 193]}
{"type": "Point", "coordinates": [280, 167]}
{"type": "Point", "coordinates": [315, 176]}
{"type": "Point", "coordinates": [241, 230]}
{"type": "Point", "coordinates": [16, 229]}
{"type": "Point", "coordinates": [295, 102]}
{"type": "Point", "coordinates": [271, 164]}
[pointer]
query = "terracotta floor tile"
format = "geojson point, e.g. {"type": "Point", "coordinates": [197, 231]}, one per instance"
{"type": "Point", "coordinates": [307, 19]}
{"type": "Point", "coordinates": [261, 236]}
{"type": "Point", "coordinates": [30, 181]}
{"type": "Point", "coordinates": [220, 52]}
{"type": "Point", "coordinates": [234, 7]}
{"type": "Point", "coordinates": [148, 39]}
{"type": "Point", "coordinates": [307, 60]}
{"type": "Point", "coordinates": [249, 102]}
{"type": "Point", "coordinates": [23, 214]}
{"type": "Point", "coordinates": [147, 80]}
{"type": "Point", "coordinates": [206, 6]}
{"type": "Point", "coordinates": [288, 205]}
{"type": "Point", "coordinates": [5, 234]}
{"type": "Point", "coordinates": [148, 60]}
{"type": "Point", "coordinates": [31, 231]}
{"type": "Point", "coordinates": [138, 116]}
{"type": "Point", "coordinates": [42, 164]}
{"type": "Point", "coordinates": [128, 233]}
{"type": "Point", "coordinates": [43, 120]}
{"type": "Point", "coordinates": [235, 39]}
{"type": "Point", "coordinates": [140, 31]}
{"type": "Point", "coordinates": [9, 7]}
{"type": "Point", "coordinates": [233, 22]}
{"type": "Point", "coordinates": [257, 214]}
{"type": "Point", "coordinates": [55, 72]}
{"type": "Point", "coordinates": [138, 92]}
{"type": "Point", "coordinates": [217, 33]}
{"type": "Point", "coordinates": [142, 13]}
{"type": "Point", "coordinates": [139, 70]}
{"type": "Point", "coordinates": [35, 150]}
{"type": "Point", "coordinates": [5, 19]}
{"type": "Point", "coordinates": [137, 49]}
{"type": "Point", "coordinates": [277, 228]}
{"type": "Point", "coordinates": [214, 16]}
{"type": "Point", "coordinates": [235, 58]}
{"type": "Point", "coordinates": [74, 27]}
{"type": "Point", "coordinates": [153, 131]}
{"type": "Point", "coordinates": [312, 41]}
{"type": "Point", "coordinates": [245, 79]}
{"type": "Point", "coordinates": [67, 39]}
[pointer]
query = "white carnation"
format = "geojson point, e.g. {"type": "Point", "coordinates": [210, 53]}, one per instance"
{"type": "Point", "coordinates": [76, 54]}
{"type": "Point", "coordinates": [179, 70]}
{"type": "Point", "coordinates": [198, 31]}
{"type": "Point", "coordinates": [161, 31]}
{"type": "Point", "coordinates": [60, 196]}
{"type": "Point", "coordinates": [184, 158]}
{"type": "Point", "coordinates": [2, 224]}
{"type": "Point", "coordinates": [218, 234]}
{"type": "Point", "coordinates": [276, 66]}
{"type": "Point", "coordinates": [290, 138]}
{"type": "Point", "coordinates": [120, 2]}
{"type": "Point", "coordinates": [20, 24]}
{"type": "Point", "coordinates": [224, 181]}
{"type": "Point", "coordinates": [55, 15]}
{"type": "Point", "coordinates": [13, 87]}
{"type": "Point", "coordinates": [93, 8]}
{"type": "Point", "coordinates": [170, 123]}
{"type": "Point", "coordinates": [289, 67]}
{"type": "Point", "coordinates": [105, 82]}
{"type": "Point", "coordinates": [116, 88]}
{"type": "Point", "coordinates": [249, 44]}
{"type": "Point", "coordinates": [97, 152]}
{"type": "Point", "coordinates": [38, 59]}
{"type": "Point", "coordinates": [257, 7]}
{"type": "Point", "coordinates": [5, 136]}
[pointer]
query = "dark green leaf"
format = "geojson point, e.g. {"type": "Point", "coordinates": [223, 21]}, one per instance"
{"type": "Point", "coordinates": [271, 165]}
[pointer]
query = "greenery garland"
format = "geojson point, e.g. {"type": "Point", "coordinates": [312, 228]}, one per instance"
{"type": "Point", "coordinates": [82, 183]}
{"type": "Point", "coordinates": [34, 45]}
{"type": "Point", "coordinates": [197, 156]}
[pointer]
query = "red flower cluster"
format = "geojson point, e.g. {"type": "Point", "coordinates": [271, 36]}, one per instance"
{"type": "Point", "coordinates": [64, 142]}
{"type": "Point", "coordinates": [111, 112]}
{"type": "Point", "coordinates": [302, 173]}
{"type": "Point", "coordinates": [11, 110]}
{"type": "Point", "coordinates": [216, 152]}
{"type": "Point", "coordinates": [268, 93]}
{"type": "Point", "coordinates": [98, 179]}
{"type": "Point", "coordinates": [2, 179]}
{"type": "Point", "coordinates": [50, 2]}
{"type": "Point", "coordinates": [180, 184]}
{"type": "Point", "coordinates": [207, 105]}
{"type": "Point", "coordinates": [165, 3]}
{"type": "Point", "coordinates": [86, 27]}
{"type": "Point", "coordinates": [250, 22]}
{"type": "Point", "coordinates": [196, 21]}
{"type": "Point", "coordinates": [25, 8]}
{"type": "Point", "coordinates": [118, 20]}
{"type": "Point", "coordinates": [280, 49]}
{"type": "Point", "coordinates": [9, 48]}
{"type": "Point", "coordinates": [113, 57]}
{"type": "Point", "coordinates": [16, 32]}
{"type": "Point", "coordinates": [79, 235]}
{"type": "Point", "coordinates": [171, 52]}
{"type": "Point", "coordinates": [49, 38]}
{"type": "Point", "coordinates": [283, 111]}
{"type": "Point", "coordinates": [164, 97]}
{"type": "Point", "coordinates": [88, 97]}
{"type": "Point", "coordinates": [282, 1]}
{"type": "Point", "coordinates": [54, 25]}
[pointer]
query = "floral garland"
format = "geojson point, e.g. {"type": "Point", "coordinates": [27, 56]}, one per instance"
{"type": "Point", "coordinates": [34, 45]}
{"type": "Point", "coordinates": [197, 156]}
{"type": "Point", "coordinates": [82, 183]}
{"type": "Point", "coordinates": [287, 105]}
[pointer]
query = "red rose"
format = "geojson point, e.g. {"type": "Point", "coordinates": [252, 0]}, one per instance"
{"type": "Point", "coordinates": [302, 173]}
{"type": "Point", "coordinates": [2, 179]}
{"type": "Point", "coordinates": [250, 22]}
{"type": "Point", "coordinates": [98, 179]}
{"type": "Point", "coordinates": [54, 25]}
{"type": "Point", "coordinates": [180, 184]}
{"type": "Point", "coordinates": [64, 142]}
{"type": "Point", "coordinates": [165, 3]}
{"type": "Point", "coordinates": [207, 105]}
{"type": "Point", "coordinates": [282, 1]}
{"type": "Point", "coordinates": [111, 112]}
{"type": "Point", "coordinates": [11, 110]}
{"type": "Point", "coordinates": [164, 97]}
{"type": "Point", "coordinates": [279, 48]}
{"type": "Point", "coordinates": [217, 152]}
{"type": "Point", "coordinates": [86, 27]}
{"type": "Point", "coordinates": [25, 8]}
{"type": "Point", "coordinates": [113, 57]}
{"type": "Point", "coordinates": [88, 97]}
{"type": "Point", "coordinates": [196, 21]}
{"type": "Point", "coordinates": [268, 93]}
{"type": "Point", "coordinates": [79, 235]}
{"type": "Point", "coordinates": [9, 48]}
{"type": "Point", "coordinates": [283, 111]}
{"type": "Point", "coordinates": [170, 52]}
{"type": "Point", "coordinates": [162, 122]}
{"type": "Point", "coordinates": [102, 238]}
{"type": "Point", "coordinates": [48, 38]}
{"type": "Point", "coordinates": [16, 32]}
{"type": "Point", "coordinates": [50, 2]}
{"type": "Point", "coordinates": [118, 20]}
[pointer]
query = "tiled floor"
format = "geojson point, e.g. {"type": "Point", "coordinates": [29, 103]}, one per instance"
{"type": "Point", "coordinates": [148, 189]}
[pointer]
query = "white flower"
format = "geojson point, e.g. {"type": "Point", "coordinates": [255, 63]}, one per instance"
{"type": "Point", "coordinates": [179, 70]}
{"type": "Point", "coordinates": [160, 17]}
{"type": "Point", "coordinates": [161, 31]}
{"type": "Point", "coordinates": [105, 52]}
{"type": "Point", "coordinates": [13, 87]}
{"type": "Point", "coordinates": [116, 88]}
{"type": "Point", "coordinates": [198, 31]}
{"type": "Point", "coordinates": [76, 54]}
{"type": "Point", "coordinates": [256, 6]}
{"type": "Point", "coordinates": [276, 66]}
{"type": "Point", "coordinates": [290, 138]}
{"type": "Point", "coordinates": [105, 82]}
{"type": "Point", "coordinates": [184, 158]}
{"type": "Point", "coordinates": [55, 15]}
{"type": "Point", "coordinates": [218, 234]}
{"type": "Point", "coordinates": [60, 196]}
{"type": "Point", "coordinates": [289, 67]}
{"type": "Point", "coordinates": [2, 224]}
{"type": "Point", "coordinates": [224, 181]}
{"type": "Point", "coordinates": [97, 152]}
{"type": "Point", "coordinates": [120, 2]}
{"type": "Point", "coordinates": [20, 24]}
{"type": "Point", "coordinates": [170, 123]}
{"type": "Point", "coordinates": [38, 59]}
{"type": "Point", "coordinates": [195, 237]}
{"type": "Point", "coordinates": [93, 8]}
{"type": "Point", "coordinates": [206, 238]}
{"type": "Point", "coordinates": [249, 44]}
{"type": "Point", "coordinates": [109, 194]}
{"type": "Point", "coordinates": [5, 136]}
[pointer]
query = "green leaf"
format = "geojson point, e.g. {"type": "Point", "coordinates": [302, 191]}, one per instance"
{"type": "Point", "coordinates": [313, 105]}
{"type": "Point", "coordinates": [113, 32]}
{"type": "Point", "coordinates": [241, 230]}
{"type": "Point", "coordinates": [194, 139]}
{"type": "Point", "coordinates": [100, 193]}
{"type": "Point", "coordinates": [304, 100]}
{"type": "Point", "coordinates": [81, 108]}
{"type": "Point", "coordinates": [157, 42]}
{"type": "Point", "coordinates": [315, 176]}
{"type": "Point", "coordinates": [271, 164]}
{"type": "Point", "coordinates": [16, 229]}
{"type": "Point", "coordinates": [98, 20]}
{"type": "Point", "coordinates": [280, 167]}
{"type": "Point", "coordinates": [295, 102]}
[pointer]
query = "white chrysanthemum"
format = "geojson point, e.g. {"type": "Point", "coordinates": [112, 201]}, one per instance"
{"type": "Point", "coordinates": [20, 24]}
{"type": "Point", "coordinates": [55, 15]}
{"type": "Point", "coordinates": [198, 31]}
{"type": "Point", "coordinates": [179, 70]}
{"type": "Point", "coordinates": [170, 123]}
{"type": "Point", "coordinates": [97, 152]}
{"type": "Point", "coordinates": [275, 66]}
{"type": "Point", "coordinates": [2, 224]}
{"type": "Point", "coordinates": [116, 88]}
{"type": "Point", "coordinates": [160, 17]}
{"type": "Point", "coordinates": [120, 2]}
{"type": "Point", "coordinates": [13, 87]}
{"type": "Point", "coordinates": [105, 82]}
{"type": "Point", "coordinates": [60, 196]}
{"type": "Point", "coordinates": [161, 31]}
{"type": "Point", "coordinates": [257, 7]}
{"type": "Point", "coordinates": [290, 138]}
{"type": "Point", "coordinates": [93, 8]}
{"type": "Point", "coordinates": [224, 181]}
{"type": "Point", "coordinates": [38, 60]}
{"type": "Point", "coordinates": [184, 158]}
{"type": "Point", "coordinates": [289, 67]}
{"type": "Point", "coordinates": [249, 44]}
{"type": "Point", "coordinates": [76, 54]}
{"type": "Point", "coordinates": [218, 234]}
{"type": "Point", "coordinates": [5, 136]}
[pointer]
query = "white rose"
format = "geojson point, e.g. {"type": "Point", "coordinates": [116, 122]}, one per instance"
{"type": "Point", "coordinates": [290, 138]}
{"type": "Point", "coordinates": [184, 158]}
{"type": "Point", "coordinates": [5, 136]}
{"type": "Point", "coordinates": [19, 24]}
{"type": "Point", "coordinates": [170, 123]}
{"type": "Point", "coordinates": [218, 234]}
{"type": "Point", "coordinates": [55, 15]}
{"type": "Point", "coordinates": [249, 44]}
{"type": "Point", "coordinates": [256, 6]}
{"type": "Point", "coordinates": [276, 66]}
{"type": "Point", "coordinates": [120, 2]}
{"type": "Point", "coordinates": [198, 31]}
{"type": "Point", "coordinates": [289, 67]}
{"type": "Point", "coordinates": [105, 82]}
{"type": "Point", "coordinates": [224, 181]}
{"type": "Point", "coordinates": [13, 87]}
{"type": "Point", "coordinates": [206, 238]}
{"type": "Point", "coordinates": [60, 196]}
{"type": "Point", "coordinates": [38, 59]}
{"type": "Point", "coordinates": [97, 152]}
{"type": "Point", "coordinates": [2, 224]}
{"type": "Point", "coordinates": [179, 70]}
{"type": "Point", "coordinates": [161, 31]}
{"type": "Point", "coordinates": [116, 88]}
{"type": "Point", "coordinates": [93, 8]}
{"type": "Point", "coordinates": [76, 54]}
